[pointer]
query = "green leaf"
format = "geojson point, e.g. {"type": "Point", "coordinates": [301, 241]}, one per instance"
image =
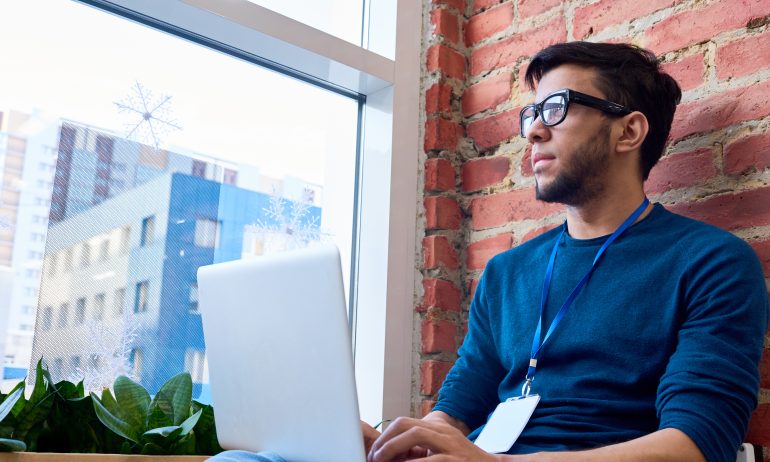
{"type": "Point", "coordinates": [133, 401]}
{"type": "Point", "coordinates": [34, 414]}
{"type": "Point", "coordinates": [10, 445]}
{"type": "Point", "coordinates": [185, 446]}
{"type": "Point", "coordinates": [153, 449]}
{"type": "Point", "coordinates": [189, 424]}
{"type": "Point", "coordinates": [41, 384]}
{"type": "Point", "coordinates": [21, 403]}
{"type": "Point", "coordinates": [205, 432]}
{"type": "Point", "coordinates": [174, 398]}
{"type": "Point", "coordinates": [109, 401]}
{"type": "Point", "coordinates": [114, 423]}
{"type": "Point", "coordinates": [157, 417]}
{"type": "Point", "coordinates": [7, 405]}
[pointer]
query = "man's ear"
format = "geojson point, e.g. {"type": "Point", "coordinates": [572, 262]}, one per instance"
{"type": "Point", "coordinates": [635, 128]}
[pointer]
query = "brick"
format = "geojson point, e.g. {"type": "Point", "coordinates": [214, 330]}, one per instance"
{"type": "Point", "coordinates": [486, 171]}
{"type": "Point", "coordinates": [523, 87]}
{"type": "Point", "coordinates": [722, 110]}
{"type": "Point", "coordinates": [442, 213]}
{"type": "Point", "coordinates": [487, 94]}
{"type": "Point", "coordinates": [759, 426]}
{"type": "Point", "coordinates": [744, 209]}
{"type": "Point", "coordinates": [438, 99]}
{"type": "Point", "coordinates": [746, 153]}
{"type": "Point", "coordinates": [445, 23]}
{"type": "Point", "coordinates": [479, 252]}
{"type": "Point", "coordinates": [764, 369]}
{"type": "Point", "coordinates": [438, 252]}
{"type": "Point", "coordinates": [426, 407]}
{"type": "Point", "coordinates": [446, 60]}
{"type": "Point", "coordinates": [479, 5]}
{"type": "Point", "coordinates": [459, 5]}
{"type": "Point", "coordinates": [700, 24]}
{"type": "Point", "coordinates": [526, 162]}
{"type": "Point", "coordinates": [536, 232]}
{"type": "Point", "coordinates": [508, 51]}
{"type": "Point", "coordinates": [499, 209]}
{"type": "Point", "coordinates": [432, 375]}
{"type": "Point", "coordinates": [528, 8]}
{"type": "Point", "coordinates": [688, 72]}
{"type": "Point", "coordinates": [440, 294]}
{"type": "Point", "coordinates": [679, 170]}
{"type": "Point", "coordinates": [744, 56]}
{"type": "Point", "coordinates": [493, 130]}
{"type": "Point", "coordinates": [438, 336]}
{"type": "Point", "coordinates": [598, 16]}
{"type": "Point", "coordinates": [441, 134]}
{"type": "Point", "coordinates": [762, 249]}
{"type": "Point", "coordinates": [439, 175]}
{"type": "Point", "coordinates": [490, 22]}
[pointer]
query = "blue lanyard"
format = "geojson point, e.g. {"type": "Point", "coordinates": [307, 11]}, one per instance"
{"type": "Point", "coordinates": [536, 345]}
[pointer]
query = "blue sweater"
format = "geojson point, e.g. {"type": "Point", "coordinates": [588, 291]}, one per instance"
{"type": "Point", "coordinates": [667, 333]}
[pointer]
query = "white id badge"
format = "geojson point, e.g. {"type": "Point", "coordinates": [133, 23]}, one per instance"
{"type": "Point", "coordinates": [507, 423]}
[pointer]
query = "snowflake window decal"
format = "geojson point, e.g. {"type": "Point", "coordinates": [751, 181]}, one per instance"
{"type": "Point", "coordinates": [149, 119]}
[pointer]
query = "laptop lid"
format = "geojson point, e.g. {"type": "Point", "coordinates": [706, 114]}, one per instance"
{"type": "Point", "coordinates": [280, 359]}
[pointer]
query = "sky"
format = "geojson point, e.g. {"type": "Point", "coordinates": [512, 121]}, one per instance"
{"type": "Point", "coordinates": [76, 62]}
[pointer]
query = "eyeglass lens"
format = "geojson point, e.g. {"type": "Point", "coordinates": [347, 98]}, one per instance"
{"type": "Point", "coordinates": [552, 110]}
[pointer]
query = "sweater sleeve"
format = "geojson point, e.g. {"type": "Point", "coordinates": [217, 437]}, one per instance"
{"type": "Point", "coordinates": [469, 392]}
{"type": "Point", "coordinates": [710, 385]}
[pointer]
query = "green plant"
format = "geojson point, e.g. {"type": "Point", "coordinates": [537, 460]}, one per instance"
{"type": "Point", "coordinates": [60, 417]}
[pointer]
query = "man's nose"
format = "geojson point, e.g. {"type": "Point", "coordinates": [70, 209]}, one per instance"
{"type": "Point", "coordinates": [537, 132]}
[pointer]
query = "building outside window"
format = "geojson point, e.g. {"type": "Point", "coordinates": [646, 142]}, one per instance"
{"type": "Point", "coordinates": [80, 311]}
{"type": "Point", "coordinates": [47, 318]}
{"type": "Point", "coordinates": [206, 233]}
{"type": "Point", "coordinates": [148, 231]}
{"type": "Point", "coordinates": [140, 298]}
{"type": "Point", "coordinates": [99, 303]}
{"type": "Point", "coordinates": [64, 312]}
{"type": "Point", "coordinates": [118, 300]}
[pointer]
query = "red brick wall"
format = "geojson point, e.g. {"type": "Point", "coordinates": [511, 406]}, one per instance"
{"type": "Point", "coordinates": [478, 193]}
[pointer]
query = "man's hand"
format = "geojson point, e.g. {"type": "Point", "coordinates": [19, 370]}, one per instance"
{"type": "Point", "coordinates": [370, 435]}
{"type": "Point", "coordinates": [425, 440]}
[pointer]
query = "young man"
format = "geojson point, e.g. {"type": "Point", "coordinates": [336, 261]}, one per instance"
{"type": "Point", "coordinates": [652, 324]}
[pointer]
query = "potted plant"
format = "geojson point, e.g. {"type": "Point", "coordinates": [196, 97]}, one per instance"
{"type": "Point", "coordinates": [59, 421]}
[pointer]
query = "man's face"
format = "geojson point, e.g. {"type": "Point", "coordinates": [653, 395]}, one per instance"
{"type": "Point", "coordinates": [570, 159]}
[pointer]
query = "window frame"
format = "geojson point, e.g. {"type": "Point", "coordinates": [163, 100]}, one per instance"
{"type": "Point", "coordinates": [389, 95]}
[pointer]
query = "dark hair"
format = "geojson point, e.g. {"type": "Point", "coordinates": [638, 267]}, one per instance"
{"type": "Point", "coordinates": [627, 75]}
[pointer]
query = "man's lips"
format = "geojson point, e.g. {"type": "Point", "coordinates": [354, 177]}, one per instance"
{"type": "Point", "coordinates": [541, 157]}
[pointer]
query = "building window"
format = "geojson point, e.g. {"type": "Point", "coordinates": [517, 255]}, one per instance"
{"type": "Point", "coordinates": [85, 255]}
{"type": "Point", "coordinates": [35, 256]}
{"type": "Point", "coordinates": [32, 273]}
{"type": "Point", "coordinates": [199, 168]}
{"type": "Point", "coordinates": [117, 302]}
{"type": "Point", "coordinates": [64, 313]}
{"type": "Point", "coordinates": [140, 299]}
{"type": "Point", "coordinates": [53, 261]}
{"type": "Point", "coordinates": [125, 238]}
{"type": "Point", "coordinates": [68, 257]}
{"type": "Point", "coordinates": [104, 250]}
{"type": "Point", "coordinates": [148, 229]}
{"type": "Point", "coordinates": [206, 233]}
{"type": "Point", "coordinates": [230, 177]}
{"type": "Point", "coordinates": [26, 327]}
{"type": "Point", "coordinates": [136, 363]}
{"type": "Point", "coordinates": [80, 311]}
{"type": "Point", "coordinates": [193, 298]}
{"type": "Point", "coordinates": [75, 365]}
{"type": "Point", "coordinates": [99, 302]}
{"type": "Point", "coordinates": [196, 364]}
{"type": "Point", "coordinates": [58, 368]}
{"type": "Point", "coordinates": [46, 318]}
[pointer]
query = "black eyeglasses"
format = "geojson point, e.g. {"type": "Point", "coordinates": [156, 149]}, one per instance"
{"type": "Point", "coordinates": [553, 109]}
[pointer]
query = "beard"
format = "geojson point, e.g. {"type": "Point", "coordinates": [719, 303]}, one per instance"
{"type": "Point", "coordinates": [580, 179]}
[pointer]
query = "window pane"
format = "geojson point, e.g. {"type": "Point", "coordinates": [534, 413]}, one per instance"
{"type": "Point", "coordinates": [240, 162]}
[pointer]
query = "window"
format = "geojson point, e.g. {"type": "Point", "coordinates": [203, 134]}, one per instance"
{"type": "Point", "coordinates": [140, 299]}
{"type": "Point", "coordinates": [194, 298]}
{"type": "Point", "coordinates": [85, 255]}
{"type": "Point", "coordinates": [148, 230]}
{"type": "Point", "coordinates": [35, 255]}
{"type": "Point", "coordinates": [52, 263]}
{"type": "Point", "coordinates": [196, 364]}
{"type": "Point", "coordinates": [68, 257]}
{"type": "Point", "coordinates": [63, 315]}
{"type": "Point", "coordinates": [75, 364]}
{"type": "Point", "coordinates": [32, 273]}
{"type": "Point", "coordinates": [136, 363]}
{"type": "Point", "coordinates": [99, 302]}
{"type": "Point", "coordinates": [125, 237]}
{"type": "Point", "coordinates": [46, 318]}
{"type": "Point", "coordinates": [232, 181]}
{"type": "Point", "coordinates": [206, 233]}
{"type": "Point", "coordinates": [117, 301]}
{"type": "Point", "coordinates": [80, 311]}
{"type": "Point", "coordinates": [104, 250]}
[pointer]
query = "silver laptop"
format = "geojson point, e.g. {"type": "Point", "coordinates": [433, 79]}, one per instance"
{"type": "Point", "coordinates": [280, 359]}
